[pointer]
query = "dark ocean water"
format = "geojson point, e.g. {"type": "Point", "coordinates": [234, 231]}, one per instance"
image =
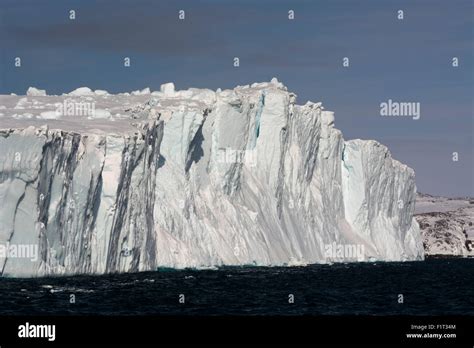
{"type": "Point", "coordinates": [432, 287]}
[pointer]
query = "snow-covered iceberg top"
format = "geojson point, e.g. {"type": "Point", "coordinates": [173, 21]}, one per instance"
{"type": "Point", "coordinates": [87, 110]}
{"type": "Point", "coordinates": [194, 178]}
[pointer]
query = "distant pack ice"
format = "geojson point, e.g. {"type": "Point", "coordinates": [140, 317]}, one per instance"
{"type": "Point", "coordinates": [193, 178]}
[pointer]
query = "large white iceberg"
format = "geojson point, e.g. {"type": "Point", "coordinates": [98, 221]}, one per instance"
{"type": "Point", "coordinates": [197, 178]}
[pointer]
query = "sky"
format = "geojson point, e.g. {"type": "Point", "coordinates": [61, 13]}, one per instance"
{"type": "Point", "coordinates": [407, 60]}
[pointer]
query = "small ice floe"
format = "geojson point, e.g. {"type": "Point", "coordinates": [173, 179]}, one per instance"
{"type": "Point", "coordinates": [35, 92]}
{"type": "Point", "coordinates": [55, 290]}
{"type": "Point", "coordinates": [142, 92]}
{"type": "Point", "coordinates": [70, 289]}
{"type": "Point", "coordinates": [167, 89]}
{"type": "Point", "coordinates": [81, 92]}
{"type": "Point", "coordinates": [49, 115]}
{"type": "Point", "coordinates": [100, 92]}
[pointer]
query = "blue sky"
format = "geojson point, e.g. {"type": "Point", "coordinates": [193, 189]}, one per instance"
{"type": "Point", "coordinates": [407, 60]}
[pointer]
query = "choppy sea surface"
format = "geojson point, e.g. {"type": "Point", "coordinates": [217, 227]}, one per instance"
{"type": "Point", "coordinates": [431, 287]}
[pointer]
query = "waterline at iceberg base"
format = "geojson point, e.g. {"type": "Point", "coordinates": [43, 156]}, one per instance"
{"type": "Point", "coordinates": [194, 178]}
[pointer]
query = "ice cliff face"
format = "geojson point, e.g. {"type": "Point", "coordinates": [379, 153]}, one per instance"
{"type": "Point", "coordinates": [194, 178]}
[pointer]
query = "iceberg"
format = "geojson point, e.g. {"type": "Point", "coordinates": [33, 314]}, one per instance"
{"type": "Point", "coordinates": [196, 178]}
